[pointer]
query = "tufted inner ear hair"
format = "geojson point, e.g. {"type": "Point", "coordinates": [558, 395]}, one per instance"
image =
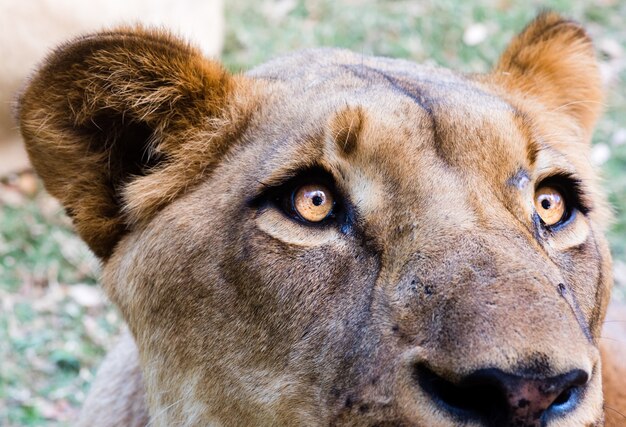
{"type": "Point", "coordinates": [120, 123]}
{"type": "Point", "coordinates": [553, 61]}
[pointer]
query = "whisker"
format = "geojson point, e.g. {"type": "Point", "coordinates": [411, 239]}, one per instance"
{"type": "Point", "coordinates": [615, 410]}
{"type": "Point", "coordinates": [164, 410]}
{"type": "Point", "coordinates": [578, 102]}
{"type": "Point", "coordinates": [613, 339]}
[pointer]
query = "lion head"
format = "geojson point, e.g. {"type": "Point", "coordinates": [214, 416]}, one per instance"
{"type": "Point", "coordinates": [340, 239]}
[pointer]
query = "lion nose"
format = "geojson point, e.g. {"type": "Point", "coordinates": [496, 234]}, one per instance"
{"type": "Point", "coordinates": [497, 398]}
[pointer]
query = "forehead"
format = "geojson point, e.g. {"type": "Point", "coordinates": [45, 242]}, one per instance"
{"type": "Point", "coordinates": [410, 112]}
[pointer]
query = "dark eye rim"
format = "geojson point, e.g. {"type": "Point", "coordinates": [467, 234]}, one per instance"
{"type": "Point", "coordinates": [282, 197]}
{"type": "Point", "coordinates": [570, 189]}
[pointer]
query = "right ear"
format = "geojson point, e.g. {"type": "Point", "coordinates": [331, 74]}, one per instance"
{"type": "Point", "coordinates": [553, 61]}
{"type": "Point", "coordinates": [120, 123]}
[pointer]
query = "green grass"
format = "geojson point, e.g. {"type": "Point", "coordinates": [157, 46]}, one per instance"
{"type": "Point", "coordinates": [54, 325]}
{"type": "Point", "coordinates": [52, 338]}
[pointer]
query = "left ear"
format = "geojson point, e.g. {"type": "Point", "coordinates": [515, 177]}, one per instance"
{"type": "Point", "coordinates": [553, 61]}
{"type": "Point", "coordinates": [120, 123]}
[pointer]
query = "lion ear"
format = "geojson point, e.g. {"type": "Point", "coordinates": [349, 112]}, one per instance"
{"type": "Point", "coordinates": [553, 61]}
{"type": "Point", "coordinates": [119, 123]}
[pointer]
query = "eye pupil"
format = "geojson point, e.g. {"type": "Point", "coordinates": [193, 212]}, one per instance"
{"type": "Point", "coordinates": [313, 202]}
{"type": "Point", "coordinates": [550, 205]}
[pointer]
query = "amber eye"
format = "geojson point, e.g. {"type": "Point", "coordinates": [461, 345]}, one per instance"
{"type": "Point", "coordinates": [550, 205]}
{"type": "Point", "coordinates": [313, 202]}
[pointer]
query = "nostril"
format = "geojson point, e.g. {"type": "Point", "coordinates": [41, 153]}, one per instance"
{"type": "Point", "coordinates": [564, 397]}
{"type": "Point", "coordinates": [572, 385]}
{"type": "Point", "coordinates": [470, 399]}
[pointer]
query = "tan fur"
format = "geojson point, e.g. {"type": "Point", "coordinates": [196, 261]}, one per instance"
{"type": "Point", "coordinates": [547, 61]}
{"type": "Point", "coordinates": [434, 265]}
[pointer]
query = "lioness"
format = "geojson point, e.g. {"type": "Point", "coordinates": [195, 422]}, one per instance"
{"type": "Point", "coordinates": [337, 239]}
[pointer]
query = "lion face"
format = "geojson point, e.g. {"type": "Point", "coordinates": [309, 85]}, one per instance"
{"type": "Point", "coordinates": [339, 239]}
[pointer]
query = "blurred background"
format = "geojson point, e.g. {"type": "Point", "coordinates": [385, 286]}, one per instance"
{"type": "Point", "coordinates": [55, 324]}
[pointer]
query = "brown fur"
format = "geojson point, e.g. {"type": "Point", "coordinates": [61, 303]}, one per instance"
{"type": "Point", "coordinates": [435, 262]}
{"type": "Point", "coordinates": [128, 104]}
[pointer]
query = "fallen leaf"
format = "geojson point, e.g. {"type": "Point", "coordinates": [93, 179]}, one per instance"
{"type": "Point", "coordinates": [86, 295]}
{"type": "Point", "coordinates": [475, 34]}
{"type": "Point", "coordinates": [600, 153]}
